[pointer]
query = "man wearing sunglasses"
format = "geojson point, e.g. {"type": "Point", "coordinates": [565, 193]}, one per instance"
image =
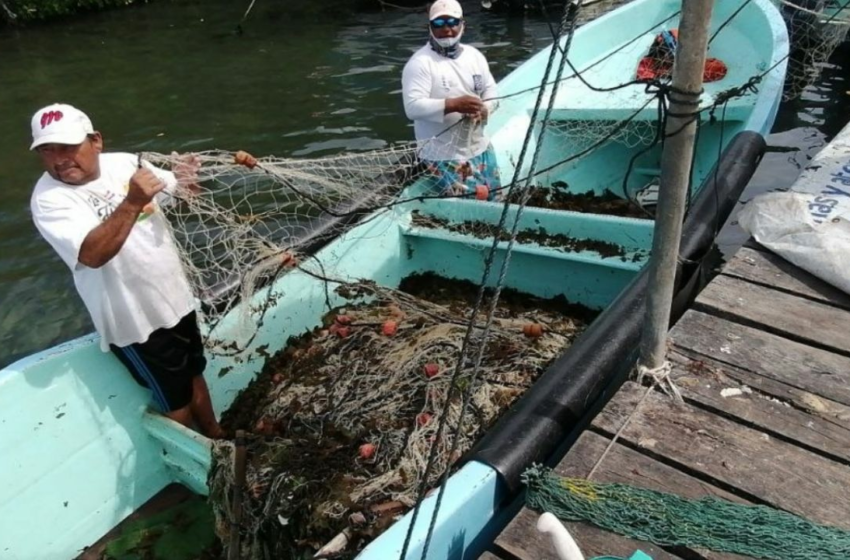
{"type": "Point", "coordinates": [449, 93]}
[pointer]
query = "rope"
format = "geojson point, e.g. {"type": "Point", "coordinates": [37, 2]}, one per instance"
{"type": "Point", "coordinates": [479, 299]}
{"type": "Point", "coordinates": [660, 376]}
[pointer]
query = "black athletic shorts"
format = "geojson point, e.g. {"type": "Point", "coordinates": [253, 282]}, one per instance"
{"type": "Point", "coordinates": [167, 362]}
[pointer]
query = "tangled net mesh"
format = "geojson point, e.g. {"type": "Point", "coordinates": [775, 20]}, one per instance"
{"type": "Point", "coordinates": [234, 234]}
{"type": "Point", "coordinates": [348, 385]}
{"type": "Point", "coordinates": [348, 413]}
{"type": "Point", "coordinates": [815, 29]}
{"type": "Point", "coordinates": [238, 230]}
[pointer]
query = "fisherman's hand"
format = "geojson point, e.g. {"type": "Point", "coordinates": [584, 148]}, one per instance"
{"type": "Point", "coordinates": [466, 105]}
{"type": "Point", "coordinates": [481, 116]}
{"type": "Point", "coordinates": [185, 169]}
{"type": "Point", "coordinates": [144, 185]}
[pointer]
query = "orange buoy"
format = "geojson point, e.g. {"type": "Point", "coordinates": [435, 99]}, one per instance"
{"type": "Point", "coordinates": [343, 320]}
{"type": "Point", "coordinates": [367, 451]}
{"type": "Point", "coordinates": [431, 370]}
{"type": "Point", "coordinates": [389, 328]}
{"type": "Point", "coordinates": [246, 159]}
{"type": "Point", "coordinates": [532, 330]}
{"type": "Point", "coordinates": [482, 192]}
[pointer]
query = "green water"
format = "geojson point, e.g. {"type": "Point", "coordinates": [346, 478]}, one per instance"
{"type": "Point", "coordinates": [176, 76]}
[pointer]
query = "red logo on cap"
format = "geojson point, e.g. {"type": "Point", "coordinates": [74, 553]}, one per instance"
{"type": "Point", "coordinates": [48, 117]}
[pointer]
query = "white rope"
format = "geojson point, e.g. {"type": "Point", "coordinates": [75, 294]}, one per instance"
{"type": "Point", "coordinates": [661, 377]}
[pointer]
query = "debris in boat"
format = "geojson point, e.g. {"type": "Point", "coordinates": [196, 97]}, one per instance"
{"type": "Point", "coordinates": [556, 197]}
{"type": "Point", "coordinates": [337, 545]}
{"type": "Point", "coordinates": [343, 426]}
{"type": "Point", "coordinates": [539, 236]}
{"type": "Point", "coordinates": [735, 391]}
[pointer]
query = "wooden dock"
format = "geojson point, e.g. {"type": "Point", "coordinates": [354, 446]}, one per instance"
{"type": "Point", "coordinates": [763, 363]}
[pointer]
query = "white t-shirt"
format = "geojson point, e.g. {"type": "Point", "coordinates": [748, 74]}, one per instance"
{"type": "Point", "coordinates": [143, 287]}
{"type": "Point", "coordinates": [427, 81]}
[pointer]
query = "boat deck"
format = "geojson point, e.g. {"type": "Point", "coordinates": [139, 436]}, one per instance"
{"type": "Point", "coordinates": [763, 363]}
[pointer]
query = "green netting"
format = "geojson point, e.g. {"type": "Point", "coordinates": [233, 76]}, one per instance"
{"type": "Point", "coordinates": [670, 520]}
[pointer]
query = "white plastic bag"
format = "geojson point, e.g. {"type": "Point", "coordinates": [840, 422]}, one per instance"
{"type": "Point", "coordinates": [810, 224]}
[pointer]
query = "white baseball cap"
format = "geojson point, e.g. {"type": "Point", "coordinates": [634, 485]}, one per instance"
{"type": "Point", "coordinates": [60, 124]}
{"type": "Point", "coordinates": [449, 8]}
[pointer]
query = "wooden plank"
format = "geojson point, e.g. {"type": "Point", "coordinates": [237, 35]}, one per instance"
{"type": "Point", "coordinates": [816, 371]}
{"type": "Point", "coordinates": [818, 423]}
{"type": "Point", "coordinates": [522, 541]}
{"type": "Point", "coordinates": [622, 465]}
{"type": "Point", "coordinates": [771, 270]}
{"type": "Point", "coordinates": [811, 322]}
{"type": "Point", "coordinates": [715, 448]}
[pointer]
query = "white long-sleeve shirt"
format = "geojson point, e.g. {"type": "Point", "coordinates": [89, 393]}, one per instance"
{"type": "Point", "coordinates": [427, 81]}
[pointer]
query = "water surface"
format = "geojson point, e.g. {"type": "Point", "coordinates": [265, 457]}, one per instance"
{"type": "Point", "coordinates": [177, 76]}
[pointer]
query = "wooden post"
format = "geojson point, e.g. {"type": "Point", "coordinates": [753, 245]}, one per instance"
{"type": "Point", "coordinates": [233, 549]}
{"type": "Point", "coordinates": [676, 162]}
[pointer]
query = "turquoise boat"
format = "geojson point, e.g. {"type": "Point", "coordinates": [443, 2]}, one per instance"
{"type": "Point", "coordinates": [81, 450]}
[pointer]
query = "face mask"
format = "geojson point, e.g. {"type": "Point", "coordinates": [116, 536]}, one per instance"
{"type": "Point", "coordinates": [448, 42]}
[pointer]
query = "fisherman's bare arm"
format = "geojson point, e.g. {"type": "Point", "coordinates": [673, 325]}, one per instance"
{"type": "Point", "coordinates": [103, 242]}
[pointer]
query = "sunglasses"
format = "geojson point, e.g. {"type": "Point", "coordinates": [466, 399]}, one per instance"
{"type": "Point", "coordinates": [441, 22]}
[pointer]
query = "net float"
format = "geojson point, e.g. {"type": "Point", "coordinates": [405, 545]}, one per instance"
{"type": "Point", "coordinates": [532, 330]}
{"type": "Point", "coordinates": [389, 328]}
{"type": "Point", "coordinates": [367, 451]}
{"type": "Point", "coordinates": [431, 370]}
{"type": "Point", "coordinates": [244, 158]}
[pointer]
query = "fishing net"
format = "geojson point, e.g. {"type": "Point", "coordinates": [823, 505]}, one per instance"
{"type": "Point", "coordinates": [815, 29]}
{"type": "Point", "coordinates": [238, 232]}
{"type": "Point", "coordinates": [670, 520]}
{"type": "Point", "coordinates": [345, 420]}
{"type": "Point", "coordinates": [346, 415]}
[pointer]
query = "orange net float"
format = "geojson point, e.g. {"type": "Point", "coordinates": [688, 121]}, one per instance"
{"type": "Point", "coordinates": [532, 330]}
{"type": "Point", "coordinates": [482, 192]}
{"type": "Point", "coordinates": [367, 451]}
{"type": "Point", "coordinates": [389, 328]}
{"type": "Point", "coordinates": [245, 159]}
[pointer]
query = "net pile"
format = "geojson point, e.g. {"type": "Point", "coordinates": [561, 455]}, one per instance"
{"type": "Point", "coordinates": [670, 520]}
{"type": "Point", "coordinates": [350, 412]}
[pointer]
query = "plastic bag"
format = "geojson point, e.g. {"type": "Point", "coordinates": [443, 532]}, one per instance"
{"type": "Point", "coordinates": [810, 224]}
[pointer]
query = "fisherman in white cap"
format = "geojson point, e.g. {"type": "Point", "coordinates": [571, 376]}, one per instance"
{"type": "Point", "coordinates": [449, 93]}
{"type": "Point", "coordinates": [99, 212]}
